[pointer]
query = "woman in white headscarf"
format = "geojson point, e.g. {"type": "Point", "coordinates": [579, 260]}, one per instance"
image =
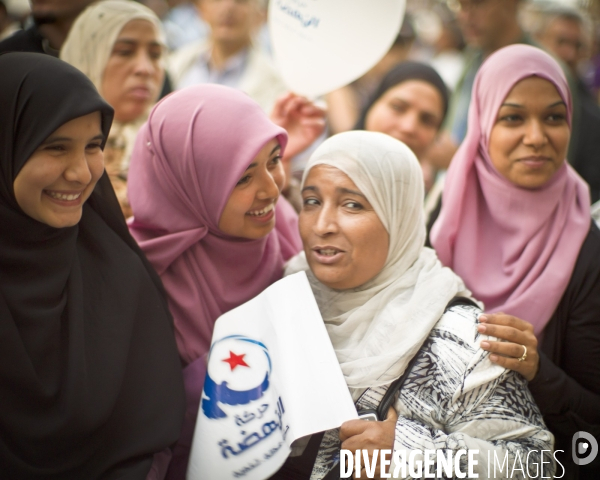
{"type": "Point", "coordinates": [119, 45]}
{"type": "Point", "coordinates": [384, 299]}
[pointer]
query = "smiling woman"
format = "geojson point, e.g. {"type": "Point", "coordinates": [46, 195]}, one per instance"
{"type": "Point", "coordinates": [515, 224]}
{"type": "Point", "coordinates": [62, 172]}
{"type": "Point", "coordinates": [94, 385]}
{"type": "Point", "coordinates": [119, 45]}
{"type": "Point", "coordinates": [205, 190]}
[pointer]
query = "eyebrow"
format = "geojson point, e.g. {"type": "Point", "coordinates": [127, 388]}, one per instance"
{"type": "Point", "coordinates": [52, 139]}
{"type": "Point", "coordinates": [516, 105]}
{"type": "Point", "coordinates": [254, 164]}
{"type": "Point", "coordinates": [136, 42]}
{"type": "Point", "coordinates": [312, 188]}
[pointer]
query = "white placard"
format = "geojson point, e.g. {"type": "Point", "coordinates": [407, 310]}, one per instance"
{"type": "Point", "coordinates": [272, 377]}
{"type": "Point", "coordinates": [321, 45]}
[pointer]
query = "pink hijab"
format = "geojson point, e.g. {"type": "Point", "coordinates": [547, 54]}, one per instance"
{"type": "Point", "coordinates": [515, 248]}
{"type": "Point", "coordinates": [187, 159]}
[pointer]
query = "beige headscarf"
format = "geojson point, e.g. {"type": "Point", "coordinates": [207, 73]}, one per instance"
{"type": "Point", "coordinates": [377, 328]}
{"type": "Point", "coordinates": [89, 45]}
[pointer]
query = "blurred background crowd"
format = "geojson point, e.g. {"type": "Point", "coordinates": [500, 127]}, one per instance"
{"type": "Point", "coordinates": [227, 42]}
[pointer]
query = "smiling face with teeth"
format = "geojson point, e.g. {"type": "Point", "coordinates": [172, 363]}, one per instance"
{"type": "Point", "coordinates": [250, 209]}
{"type": "Point", "coordinates": [61, 174]}
{"type": "Point", "coordinates": [346, 244]}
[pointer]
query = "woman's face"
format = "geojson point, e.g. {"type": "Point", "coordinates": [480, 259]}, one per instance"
{"type": "Point", "coordinates": [530, 137]}
{"type": "Point", "coordinates": [134, 73]}
{"type": "Point", "coordinates": [411, 112]}
{"type": "Point", "coordinates": [61, 174]}
{"type": "Point", "coordinates": [250, 210]}
{"type": "Point", "coordinates": [346, 244]}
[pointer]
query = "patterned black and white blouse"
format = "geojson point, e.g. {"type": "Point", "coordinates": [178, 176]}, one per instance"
{"type": "Point", "coordinates": [456, 398]}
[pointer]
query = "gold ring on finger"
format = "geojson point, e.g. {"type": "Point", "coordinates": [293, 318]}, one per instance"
{"type": "Point", "coordinates": [524, 356]}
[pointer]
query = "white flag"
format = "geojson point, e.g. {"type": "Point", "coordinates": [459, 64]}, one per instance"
{"type": "Point", "coordinates": [272, 377]}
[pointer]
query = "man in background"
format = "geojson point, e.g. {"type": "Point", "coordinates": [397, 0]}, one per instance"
{"type": "Point", "coordinates": [229, 56]}
{"type": "Point", "coordinates": [564, 32]}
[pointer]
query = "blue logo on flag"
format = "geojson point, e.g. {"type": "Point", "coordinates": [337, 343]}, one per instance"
{"type": "Point", "coordinates": [246, 363]}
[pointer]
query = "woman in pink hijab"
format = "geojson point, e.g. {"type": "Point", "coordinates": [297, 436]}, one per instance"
{"type": "Point", "coordinates": [204, 185]}
{"type": "Point", "coordinates": [515, 225]}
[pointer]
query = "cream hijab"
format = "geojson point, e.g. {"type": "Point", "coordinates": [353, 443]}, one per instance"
{"type": "Point", "coordinates": [89, 46]}
{"type": "Point", "coordinates": [377, 328]}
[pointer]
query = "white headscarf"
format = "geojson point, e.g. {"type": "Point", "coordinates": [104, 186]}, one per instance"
{"type": "Point", "coordinates": [377, 328]}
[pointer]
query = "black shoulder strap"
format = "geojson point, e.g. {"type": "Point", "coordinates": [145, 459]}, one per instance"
{"type": "Point", "coordinates": [396, 385]}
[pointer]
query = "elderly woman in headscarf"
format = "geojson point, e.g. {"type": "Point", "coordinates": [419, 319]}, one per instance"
{"type": "Point", "coordinates": [515, 225]}
{"type": "Point", "coordinates": [90, 379]}
{"type": "Point", "coordinates": [119, 45]}
{"type": "Point", "coordinates": [391, 312]}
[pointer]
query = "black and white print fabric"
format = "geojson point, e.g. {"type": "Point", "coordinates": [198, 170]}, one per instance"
{"type": "Point", "coordinates": [456, 398]}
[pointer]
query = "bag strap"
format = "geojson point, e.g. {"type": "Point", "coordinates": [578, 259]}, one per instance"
{"type": "Point", "coordinates": [396, 385]}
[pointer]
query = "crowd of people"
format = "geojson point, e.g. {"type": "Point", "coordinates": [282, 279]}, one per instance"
{"type": "Point", "coordinates": [156, 174]}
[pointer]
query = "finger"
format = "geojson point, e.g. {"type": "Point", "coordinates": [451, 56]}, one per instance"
{"type": "Point", "coordinates": [506, 349]}
{"type": "Point", "coordinates": [352, 428]}
{"type": "Point", "coordinates": [527, 368]}
{"type": "Point", "coordinates": [510, 334]}
{"type": "Point", "coordinates": [506, 320]}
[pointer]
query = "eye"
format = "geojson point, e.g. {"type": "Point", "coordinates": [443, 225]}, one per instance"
{"type": "Point", "coordinates": [243, 180]}
{"type": "Point", "coordinates": [275, 160]}
{"type": "Point", "coordinates": [429, 121]}
{"type": "Point", "coordinates": [93, 146]}
{"type": "Point", "coordinates": [557, 117]}
{"type": "Point", "coordinates": [511, 118]}
{"type": "Point", "coordinates": [155, 54]}
{"type": "Point", "coordinates": [310, 201]}
{"type": "Point", "coordinates": [398, 107]}
{"type": "Point", "coordinates": [353, 205]}
{"type": "Point", "coordinates": [57, 147]}
{"type": "Point", "coordinates": [124, 52]}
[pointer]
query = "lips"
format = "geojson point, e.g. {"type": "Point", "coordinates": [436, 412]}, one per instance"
{"type": "Point", "coordinates": [535, 161]}
{"type": "Point", "coordinates": [69, 198]}
{"type": "Point", "coordinates": [327, 254]}
{"type": "Point", "coordinates": [262, 215]}
{"type": "Point", "coordinates": [141, 93]}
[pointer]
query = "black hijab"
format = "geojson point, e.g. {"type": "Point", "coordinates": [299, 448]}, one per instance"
{"type": "Point", "coordinates": [401, 73]}
{"type": "Point", "coordinates": [90, 380]}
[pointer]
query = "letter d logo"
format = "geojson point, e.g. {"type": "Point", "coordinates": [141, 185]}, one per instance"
{"type": "Point", "coordinates": [584, 448]}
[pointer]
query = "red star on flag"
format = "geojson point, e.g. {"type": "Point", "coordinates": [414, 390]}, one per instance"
{"type": "Point", "coordinates": [235, 360]}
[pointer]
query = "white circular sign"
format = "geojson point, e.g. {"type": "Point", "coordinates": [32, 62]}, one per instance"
{"type": "Point", "coordinates": [321, 45]}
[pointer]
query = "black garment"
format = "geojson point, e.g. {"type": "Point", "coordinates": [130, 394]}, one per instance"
{"type": "Point", "coordinates": [29, 40]}
{"type": "Point", "coordinates": [401, 73]}
{"type": "Point", "coordinates": [567, 385]}
{"type": "Point", "coordinates": [90, 380]}
{"type": "Point", "coordinates": [585, 158]}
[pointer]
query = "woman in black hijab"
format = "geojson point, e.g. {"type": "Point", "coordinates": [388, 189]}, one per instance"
{"type": "Point", "coordinates": [90, 381]}
{"type": "Point", "coordinates": [410, 105]}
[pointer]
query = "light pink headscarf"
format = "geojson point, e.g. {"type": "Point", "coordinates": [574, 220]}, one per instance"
{"type": "Point", "coordinates": [515, 248]}
{"type": "Point", "coordinates": [187, 159]}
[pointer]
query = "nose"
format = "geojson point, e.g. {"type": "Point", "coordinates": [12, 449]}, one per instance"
{"type": "Point", "coordinates": [326, 221]}
{"type": "Point", "coordinates": [78, 170]}
{"type": "Point", "coordinates": [144, 65]}
{"type": "Point", "coordinates": [408, 123]}
{"type": "Point", "coordinates": [268, 188]}
{"type": "Point", "coordinates": [535, 134]}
